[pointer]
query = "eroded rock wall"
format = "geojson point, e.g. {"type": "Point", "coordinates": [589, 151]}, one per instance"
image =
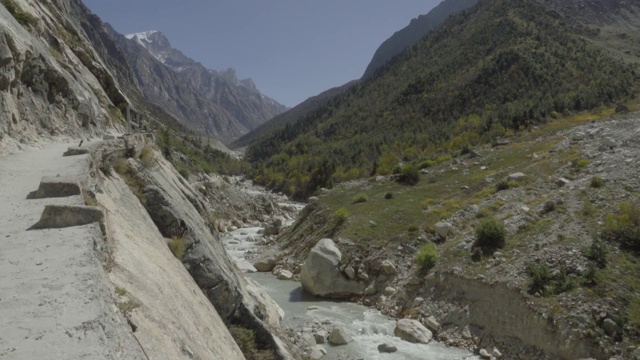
{"type": "Point", "coordinates": [160, 207]}
{"type": "Point", "coordinates": [46, 88]}
{"type": "Point", "coordinates": [170, 315]}
{"type": "Point", "coordinates": [180, 211]}
{"type": "Point", "coordinates": [501, 313]}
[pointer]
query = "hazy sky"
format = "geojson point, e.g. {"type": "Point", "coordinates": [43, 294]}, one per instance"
{"type": "Point", "coordinates": [292, 49]}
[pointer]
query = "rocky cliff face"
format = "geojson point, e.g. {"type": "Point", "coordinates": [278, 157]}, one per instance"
{"type": "Point", "coordinates": [52, 80]}
{"type": "Point", "coordinates": [206, 101]}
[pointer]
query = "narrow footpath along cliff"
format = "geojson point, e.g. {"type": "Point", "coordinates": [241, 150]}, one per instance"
{"type": "Point", "coordinates": [85, 271]}
{"type": "Point", "coordinates": [55, 300]}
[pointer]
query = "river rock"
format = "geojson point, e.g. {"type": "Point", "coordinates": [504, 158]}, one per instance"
{"type": "Point", "coordinates": [285, 275]}
{"type": "Point", "coordinates": [350, 272]}
{"type": "Point", "coordinates": [339, 336]}
{"type": "Point", "coordinates": [388, 268]}
{"type": "Point", "coordinates": [432, 324]}
{"type": "Point", "coordinates": [321, 336]}
{"type": "Point", "coordinates": [308, 340]}
{"type": "Point", "coordinates": [496, 353]}
{"type": "Point", "coordinates": [316, 353]}
{"type": "Point", "coordinates": [389, 290]}
{"type": "Point", "coordinates": [266, 262]}
{"type": "Point", "coordinates": [484, 354]}
{"type": "Point", "coordinates": [271, 230]}
{"type": "Point", "coordinates": [321, 274]}
{"type": "Point", "coordinates": [370, 290]}
{"type": "Point", "coordinates": [386, 348]}
{"type": "Point", "coordinates": [412, 331]}
{"type": "Point", "coordinates": [466, 333]}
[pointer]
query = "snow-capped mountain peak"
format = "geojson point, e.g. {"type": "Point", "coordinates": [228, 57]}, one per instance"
{"type": "Point", "coordinates": [158, 45]}
{"type": "Point", "coordinates": [142, 36]}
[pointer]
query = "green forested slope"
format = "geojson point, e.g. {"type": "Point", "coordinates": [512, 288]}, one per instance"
{"type": "Point", "coordinates": [495, 68]}
{"type": "Point", "coordinates": [415, 31]}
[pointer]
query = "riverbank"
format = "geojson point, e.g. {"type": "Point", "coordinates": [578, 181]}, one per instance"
{"type": "Point", "coordinates": [309, 319]}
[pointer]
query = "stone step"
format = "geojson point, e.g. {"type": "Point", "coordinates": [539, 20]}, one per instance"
{"type": "Point", "coordinates": [55, 187]}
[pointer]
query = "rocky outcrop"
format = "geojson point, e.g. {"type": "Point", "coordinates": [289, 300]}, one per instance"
{"type": "Point", "coordinates": [171, 316]}
{"type": "Point", "coordinates": [180, 212]}
{"type": "Point", "coordinates": [498, 311]}
{"type": "Point", "coordinates": [45, 88]}
{"type": "Point", "coordinates": [321, 275]}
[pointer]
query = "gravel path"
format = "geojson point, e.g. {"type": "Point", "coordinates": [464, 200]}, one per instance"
{"type": "Point", "coordinates": [54, 298]}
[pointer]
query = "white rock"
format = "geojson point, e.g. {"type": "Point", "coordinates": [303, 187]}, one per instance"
{"type": "Point", "coordinates": [412, 331]}
{"type": "Point", "coordinates": [516, 176]}
{"type": "Point", "coordinates": [321, 276]}
{"type": "Point", "coordinates": [484, 354]}
{"type": "Point", "coordinates": [388, 268]}
{"type": "Point", "coordinates": [442, 228]}
{"type": "Point", "coordinates": [285, 275]}
{"type": "Point", "coordinates": [432, 324]}
{"type": "Point", "coordinates": [496, 353]}
{"type": "Point", "coordinates": [339, 336]}
{"type": "Point", "coordinates": [350, 272]}
{"type": "Point", "coordinates": [308, 340]}
{"type": "Point", "coordinates": [316, 353]}
{"type": "Point", "coordinates": [321, 337]}
{"type": "Point", "coordinates": [389, 290]}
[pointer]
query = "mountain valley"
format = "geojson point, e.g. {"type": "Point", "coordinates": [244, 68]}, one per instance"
{"type": "Point", "coordinates": [474, 195]}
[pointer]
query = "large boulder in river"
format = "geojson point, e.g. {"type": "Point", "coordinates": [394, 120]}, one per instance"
{"type": "Point", "coordinates": [321, 275]}
{"type": "Point", "coordinates": [412, 331]}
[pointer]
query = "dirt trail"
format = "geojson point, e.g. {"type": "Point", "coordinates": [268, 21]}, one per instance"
{"type": "Point", "coordinates": [54, 298]}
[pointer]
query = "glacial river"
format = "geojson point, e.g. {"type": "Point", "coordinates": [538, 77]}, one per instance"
{"type": "Point", "coordinates": [368, 327]}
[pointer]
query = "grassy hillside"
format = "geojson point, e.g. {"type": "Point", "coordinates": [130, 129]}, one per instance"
{"type": "Point", "coordinates": [492, 70]}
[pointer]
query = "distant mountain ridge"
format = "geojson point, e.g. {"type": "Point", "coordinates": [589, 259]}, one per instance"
{"type": "Point", "coordinates": [206, 101]}
{"type": "Point", "coordinates": [292, 115]}
{"type": "Point", "coordinates": [416, 30]}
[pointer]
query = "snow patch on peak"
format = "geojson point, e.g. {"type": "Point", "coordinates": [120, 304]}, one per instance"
{"type": "Point", "coordinates": [142, 35]}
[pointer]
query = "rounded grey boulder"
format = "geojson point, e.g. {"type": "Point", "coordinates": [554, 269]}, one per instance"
{"type": "Point", "coordinates": [321, 275]}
